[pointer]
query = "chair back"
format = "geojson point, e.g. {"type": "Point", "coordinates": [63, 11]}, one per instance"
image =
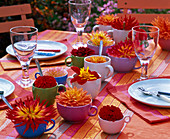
{"type": "Point", "coordinates": [144, 4]}
{"type": "Point", "coordinates": [15, 10]}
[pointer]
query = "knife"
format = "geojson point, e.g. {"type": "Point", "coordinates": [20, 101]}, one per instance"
{"type": "Point", "coordinates": [163, 93]}
{"type": "Point", "coordinates": [45, 53]}
{"type": "Point", "coordinates": [154, 94]}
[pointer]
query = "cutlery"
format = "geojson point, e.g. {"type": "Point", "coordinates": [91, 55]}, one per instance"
{"type": "Point", "coordinates": [49, 50]}
{"type": "Point", "coordinates": [5, 100]}
{"type": "Point", "coordinates": [38, 66]}
{"type": "Point", "coordinates": [159, 92]}
{"type": "Point", "coordinates": [100, 48]}
{"type": "Point", "coordinates": [154, 94]}
{"type": "Point", "coordinates": [45, 53]}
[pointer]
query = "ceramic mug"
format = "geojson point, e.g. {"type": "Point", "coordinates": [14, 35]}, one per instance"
{"type": "Point", "coordinates": [119, 35]}
{"type": "Point", "coordinates": [111, 127]}
{"type": "Point", "coordinates": [101, 28]}
{"type": "Point", "coordinates": [104, 69]}
{"type": "Point", "coordinates": [48, 94]}
{"type": "Point", "coordinates": [96, 48]}
{"type": "Point", "coordinates": [123, 65]}
{"type": "Point", "coordinates": [92, 87]}
{"type": "Point", "coordinates": [37, 132]}
{"type": "Point", "coordinates": [77, 113]}
{"type": "Point", "coordinates": [164, 44]}
{"type": "Point", "coordinates": [75, 61]}
{"type": "Point", "coordinates": [59, 80]}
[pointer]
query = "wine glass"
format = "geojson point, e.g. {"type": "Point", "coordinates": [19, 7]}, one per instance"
{"type": "Point", "coordinates": [145, 39]}
{"type": "Point", "coordinates": [79, 11]}
{"type": "Point", "coordinates": [24, 43]}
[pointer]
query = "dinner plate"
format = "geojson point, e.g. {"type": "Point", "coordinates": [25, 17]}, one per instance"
{"type": "Point", "coordinates": [6, 86]}
{"type": "Point", "coordinates": [43, 44]}
{"type": "Point", "coordinates": [151, 85]}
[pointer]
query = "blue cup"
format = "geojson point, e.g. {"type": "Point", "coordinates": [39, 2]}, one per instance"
{"type": "Point", "coordinates": [37, 132]}
{"type": "Point", "coordinates": [59, 80]}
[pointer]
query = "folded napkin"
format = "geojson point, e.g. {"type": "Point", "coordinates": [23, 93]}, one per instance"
{"type": "Point", "coordinates": [10, 62]}
{"type": "Point", "coordinates": [148, 113]}
{"type": "Point", "coordinates": [18, 93]}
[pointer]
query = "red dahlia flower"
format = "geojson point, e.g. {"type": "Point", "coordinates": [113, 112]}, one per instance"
{"type": "Point", "coordinates": [125, 23]}
{"type": "Point", "coordinates": [45, 82]}
{"type": "Point", "coordinates": [82, 52]}
{"type": "Point", "coordinates": [84, 75]}
{"type": "Point", "coordinates": [110, 113]}
{"type": "Point", "coordinates": [31, 112]}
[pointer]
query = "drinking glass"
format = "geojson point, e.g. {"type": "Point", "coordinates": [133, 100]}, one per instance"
{"type": "Point", "coordinates": [79, 11]}
{"type": "Point", "coordinates": [145, 39]}
{"type": "Point", "coordinates": [24, 43]}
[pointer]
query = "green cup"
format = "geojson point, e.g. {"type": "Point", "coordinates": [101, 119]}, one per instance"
{"type": "Point", "coordinates": [75, 61]}
{"type": "Point", "coordinates": [48, 94]}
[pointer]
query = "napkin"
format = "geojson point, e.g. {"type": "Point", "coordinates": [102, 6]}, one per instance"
{"type": "Point", "coordinates": [18, 93]}
{"type": "Point", "coordinates": [9, 62]}
{"type": "Point", "coordinates": [148, 113]}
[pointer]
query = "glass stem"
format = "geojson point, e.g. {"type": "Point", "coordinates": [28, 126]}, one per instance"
{"type": "Point", "coordinates": [25, 73]}
{"type": "Point", "coordinates": [79, 37]}
{"type": "Point", "coordinates": [144, 70]}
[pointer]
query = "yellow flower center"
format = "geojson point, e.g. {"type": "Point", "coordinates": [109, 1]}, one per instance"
{"type": "Point", "coordinates": [96, 59]}
{"type": "Point", "coordinates": [84, 74]}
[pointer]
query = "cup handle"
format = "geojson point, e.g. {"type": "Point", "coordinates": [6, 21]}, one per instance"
{"type": "Point", "coordinates": [127, 119]}
{"type": "Point", "coordinates": [61, 85]}
{"type": "Point", "coordinates": [93, 114]}
{"type": "Point", "coordinates": [95, 28]}
{"type": "Point", "coordinates": [111, 70]}
{"type": "Point", "coordinates": [137, 67]}
{"type": "Point", "coordinates": [68, 81]}
{"type": "Point", "coordinates": [69, 65]}
{"type": "Point", "coordinates": [51, 126]}
{"type": "Point", "coordinates": [110, 32]}
{"type": "Point", "coordinates": [36, 75]}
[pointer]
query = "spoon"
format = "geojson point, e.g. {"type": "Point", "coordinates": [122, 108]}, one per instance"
{"type": "Point", "coordinates": [38, 66]}
{"type": "Point", "coordinates": [5, 100]}
{"type": "Point", "coordinates": [100, 48]}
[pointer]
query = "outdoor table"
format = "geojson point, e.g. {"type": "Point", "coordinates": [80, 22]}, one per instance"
{"type": "Point", "coordinates": [146, 121]}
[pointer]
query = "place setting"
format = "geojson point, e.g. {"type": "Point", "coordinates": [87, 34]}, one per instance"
{"type": "Point", "coordinates": [48, 52]}
{"type": "Point", "coordinates": [45, 50]}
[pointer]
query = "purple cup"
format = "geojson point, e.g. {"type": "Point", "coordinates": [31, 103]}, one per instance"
{"type": "Point", "coordinates": [164, 44]}
{"type": "Point", "coordinates": [96, 48]}
{"type": "Point", "coordinates": [123, 64]}
{"type": "Point", "coordinates": [76, 114]}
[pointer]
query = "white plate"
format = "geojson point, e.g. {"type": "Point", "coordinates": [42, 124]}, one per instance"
{"type": "Point", "coordinates": [6, 86]}
{"type": "Point", "coordinates": [42, 44]}
{"type": "Point", "coordinates": [151, 85]}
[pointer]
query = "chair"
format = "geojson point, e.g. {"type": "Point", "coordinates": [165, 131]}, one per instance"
{"type": "Point", "coordinates": [144, 4]}
{"type": "Point", "coordinates": [15, 10]}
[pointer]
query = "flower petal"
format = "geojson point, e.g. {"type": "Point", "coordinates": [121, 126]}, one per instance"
{"type": "Point", "coordinates": [76, 69]}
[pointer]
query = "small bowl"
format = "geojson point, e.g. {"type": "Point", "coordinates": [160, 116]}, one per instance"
{"type": "Point", "coordinates": [96, 48]}
{"type": "Point", "coordinates": [60, 79]}
{"type": "Point", "coordinates": [111, 127]}
{"type": "Point", "coordinates": [76, 114]}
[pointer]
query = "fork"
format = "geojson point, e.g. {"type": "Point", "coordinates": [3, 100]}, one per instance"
{"type": "Point", "coordinates": [5, 100]}
{"type": "Point", "coordinates": [154, 94]}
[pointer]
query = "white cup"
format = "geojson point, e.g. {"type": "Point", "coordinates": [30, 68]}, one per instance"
{"type": "Point", "coordinates": [92, 87]}
{"type": "Point", "coordinates": [104, 69]}
{"type": "Point", "coordinates": [108, 29]}
{"type": "Point", "coordinates": [101, 28]}
{"type": "Point", "coordinates": [118, 35]}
